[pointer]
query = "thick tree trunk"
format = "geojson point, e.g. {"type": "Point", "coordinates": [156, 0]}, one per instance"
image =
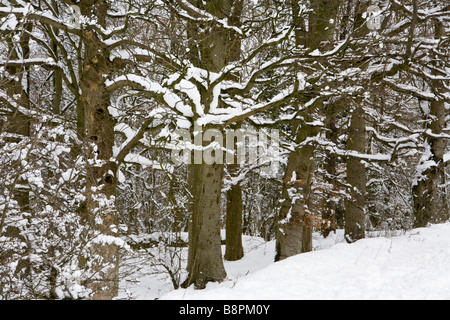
{"type": "Point", "coordinates": [429, 194]}
{"type": "Point", "coordinates": [356, 178]}
{"type": "Point", "coordinates": [20, 124]}
{"type": "Point", "coordinates": [212, 48]}
{"type": "Point", "coordinates": [233, 246]}
{"type": "Point", "coordinates": [429, 197]}
{"type": "Point", "coordinates": [321, 20]}
{"type": "Point", "coordinates": [331, 208]}
{"type": "Point", "coordinates": [356, 173]}
{"type": "Point", "coordinates": [205, 255]}
{"type": "Point", "coordinates": [233, 243]}
{"type": "Point", "coordinates": [294, 230]}
{"type": "Point", "coordinates": [101, 183]}
{"type": "Point", "coordinates": [295, 226]}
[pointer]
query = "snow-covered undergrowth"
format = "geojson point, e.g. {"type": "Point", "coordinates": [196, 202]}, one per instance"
{"type": "Point", "coordinates": [413, 265]}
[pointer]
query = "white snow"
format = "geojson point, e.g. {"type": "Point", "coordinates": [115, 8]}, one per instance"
{"type": "Point", "coordinates": [413, 265]}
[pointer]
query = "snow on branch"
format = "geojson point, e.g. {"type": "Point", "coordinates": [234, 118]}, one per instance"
{"type": "Point", "coordinates": [411, 90]}
{"type": "Point", "coordinates": [193, 13]}
{"type": "Point", "coordinates": [30, 13]}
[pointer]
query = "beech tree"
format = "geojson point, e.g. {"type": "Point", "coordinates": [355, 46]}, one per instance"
{"type": "Point", "coordinates": [294, 234]}
{"type": "Point", "coordinates": [86, 78]}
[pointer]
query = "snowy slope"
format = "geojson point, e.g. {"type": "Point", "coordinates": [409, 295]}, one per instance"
{"type": "Point", "coordinates": [412, 266]}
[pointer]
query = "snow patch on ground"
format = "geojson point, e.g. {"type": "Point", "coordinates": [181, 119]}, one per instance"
{"type": "Point", "coordinates": [413, 265]}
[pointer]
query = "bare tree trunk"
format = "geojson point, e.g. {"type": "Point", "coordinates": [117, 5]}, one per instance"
{"type": "Point", "coordinates": [331, 207]}
{"type": "Point", "coordinates": [212, 48]}
{"type": "Point", "coordinates": [429, 195]}
{"type": "Point", "coordinates": [356, 178]}
{"type": "Point", "coordinates": [295, 226]}
{"type": "Point", "coordinates": [101, 182]}
{"type": "Point", "coordinates": [58, 73]}
{"type": "Point", "coordinates": [18, 122]}
{"type": "Point", "coordinates": [355, 209]}
{"type": "Point", "coordinates": [294, 230]}
{"type": "Point", "coordinates": [205, 254]}
{"type": "Point", "coordinates": [233, 241]}
{"type": "Point", "coordinates": [233, 245]}
{"type": "Point", "coordinates": [58, 88]}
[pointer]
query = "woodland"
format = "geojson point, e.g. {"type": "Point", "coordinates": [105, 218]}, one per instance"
{"type": "Point", "coordinates": [94, 95]}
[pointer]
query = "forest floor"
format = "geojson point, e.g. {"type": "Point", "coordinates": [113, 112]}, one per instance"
{"type": "Point", "coordinates": [410, 265]}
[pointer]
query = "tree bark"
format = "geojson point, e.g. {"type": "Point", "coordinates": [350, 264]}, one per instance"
{"type": "Point", "coordinates": [429, 197]}
{"type": "Point", "coordinates": [356, 178]}
{"type": "Point", "coordinates": [101, 182]}
{"type": "Point", "coordinates": [233, 245]}
{"type": "Point", "coordinates": [205, 254]}
{"type": "Point", "coordinates": [294, 232]}
{"type": "Point", "coordinates": [295, 226]}
{"type": "Point", "coordinates": [18, 122]}
{"type": "Point", "coordinates": [430, 203]}
{"type": "Point", "coordinates": [211, 48]}
{"type": "Point", "coordinates": [331, 208]}
{"type": "Point", "coordinates": [233, 242]}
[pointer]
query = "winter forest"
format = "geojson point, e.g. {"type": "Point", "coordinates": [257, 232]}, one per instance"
{"type": "Point", "coordinates": [158, 138]}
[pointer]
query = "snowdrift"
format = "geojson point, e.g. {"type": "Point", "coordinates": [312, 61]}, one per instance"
{"type": "Point", "coordinates": [414, 265]}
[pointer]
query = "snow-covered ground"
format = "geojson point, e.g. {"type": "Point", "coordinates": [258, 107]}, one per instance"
{"type": "Point", "coordinates": [413, 265]}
